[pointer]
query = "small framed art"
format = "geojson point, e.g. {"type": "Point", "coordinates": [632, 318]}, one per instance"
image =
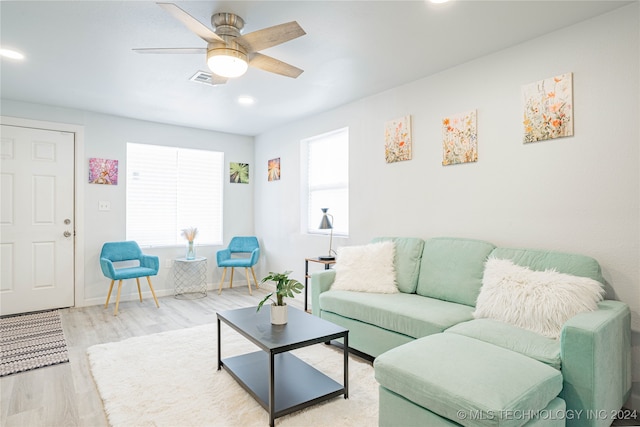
{"type": "Point", "coordinates": [103, 171]}
{"type": "Point", "coordinates": [397, 140]}
{"type": "Point", "coordinates": [548, 108]}
{"type": "Point", "coordinates": [273, 170]}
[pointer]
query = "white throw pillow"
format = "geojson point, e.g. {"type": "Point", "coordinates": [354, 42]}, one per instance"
{"type": "Point", "coordinates": [540, 301]}
{"type": "Point", "coordinates": [367, 268]}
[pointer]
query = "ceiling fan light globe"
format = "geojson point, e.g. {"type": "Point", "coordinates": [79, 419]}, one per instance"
{"type": "Point", "coordinates": [227, 65]}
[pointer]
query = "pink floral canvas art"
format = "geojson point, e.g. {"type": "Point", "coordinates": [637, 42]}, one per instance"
{"type": "Point", "coordinates": [273, 170]}
{"type": "Point", "coordinates": [397, 140]}
{"type": "Point", "coordinates": [460, 138]}
{"type": "Point", "coordinates": [548, 108]}
{"type": "Point", "coordinates": [103, 171]}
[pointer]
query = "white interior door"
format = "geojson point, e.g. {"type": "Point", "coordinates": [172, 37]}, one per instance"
{"type": "Point", "coordinates": [36, 217]}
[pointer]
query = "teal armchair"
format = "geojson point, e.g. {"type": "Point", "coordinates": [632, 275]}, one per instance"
{"type": "Point", "coordinates": [247, 246]}
{"type": "Point", "coordinates": [113, 252]}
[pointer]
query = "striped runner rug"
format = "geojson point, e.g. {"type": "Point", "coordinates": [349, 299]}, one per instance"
{"type": "Point", "coordinates": [31, 341]}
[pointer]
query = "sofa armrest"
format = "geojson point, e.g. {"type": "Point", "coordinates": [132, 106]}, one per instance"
{"type": "Point", "coordinates": [595, 349]}
{"type": "Point", "coordinates": [320, 282]}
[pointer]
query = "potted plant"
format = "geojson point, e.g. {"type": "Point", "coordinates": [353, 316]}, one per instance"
{"type": "Point", "coordinates": [285, 287]}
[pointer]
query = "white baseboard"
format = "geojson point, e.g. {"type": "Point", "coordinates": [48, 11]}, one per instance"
{"type": "Point", "coordinates": [131, 296]}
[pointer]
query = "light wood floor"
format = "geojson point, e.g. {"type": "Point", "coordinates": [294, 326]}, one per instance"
{"type": "Point", "coordinates": [65, 395]}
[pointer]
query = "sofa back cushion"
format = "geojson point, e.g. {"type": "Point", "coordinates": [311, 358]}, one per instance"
{"type": "Point", "coordinates": [406, 262]}
{"type": "Point", "coordinates": [540, 260]}
{"type": "Point", "coordinates": [451, 269]}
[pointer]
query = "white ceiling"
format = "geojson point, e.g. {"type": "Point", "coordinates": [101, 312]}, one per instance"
{"type": "Point", "coordinates": [79, 53]}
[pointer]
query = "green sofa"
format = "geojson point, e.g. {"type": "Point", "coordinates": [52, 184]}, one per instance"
{"type": "Point", "coordinates": [437, 365]}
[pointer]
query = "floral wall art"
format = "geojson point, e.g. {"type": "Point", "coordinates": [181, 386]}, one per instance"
{"type": "Point", "coordinates": [238, 173]}
{"type": "Point", "coordinates": [460, 138]}
{"type": "Point", "coordinates": [548, 108]}
{"type": "Point", "coordinates": [273, 169]}
{"type": "Point", "coordinates": [103, 171]}
{"type": "Point", "coordinates": [397, 140]}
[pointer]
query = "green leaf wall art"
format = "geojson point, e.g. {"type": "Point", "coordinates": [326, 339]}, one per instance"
{"type": "Point", "coordinates": [238, 173]}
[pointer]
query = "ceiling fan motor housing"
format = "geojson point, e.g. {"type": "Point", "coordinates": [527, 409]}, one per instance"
{"type": "Point", "coordinates": [227, 26]}
{"type": "Point", "coordinates": [230, 48]}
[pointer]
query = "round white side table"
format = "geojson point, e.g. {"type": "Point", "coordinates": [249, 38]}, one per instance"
{"type": "Point", "coordinates": [190, 278]}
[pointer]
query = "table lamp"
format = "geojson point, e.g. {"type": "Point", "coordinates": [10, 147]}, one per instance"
{"type": "Point", "coordinates": [325, 224]}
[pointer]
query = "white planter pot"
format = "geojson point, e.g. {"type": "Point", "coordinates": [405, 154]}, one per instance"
{"type": "Point", "coordinates": [278, 314]}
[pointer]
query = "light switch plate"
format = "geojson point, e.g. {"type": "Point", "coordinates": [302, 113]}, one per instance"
{"type": "Point", "coordinates": [104, 205]}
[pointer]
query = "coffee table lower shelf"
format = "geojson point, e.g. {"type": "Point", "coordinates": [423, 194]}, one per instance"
{"type": "Point", "coordinates": [297, 384]}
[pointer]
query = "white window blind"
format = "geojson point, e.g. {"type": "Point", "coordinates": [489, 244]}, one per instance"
{"type": "Point", "coordinates": [328, 180]}
{"type": "Point", "coordinates": [169, 189]}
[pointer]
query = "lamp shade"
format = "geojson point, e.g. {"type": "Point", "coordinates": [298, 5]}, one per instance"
{"type": "Point", "coordinates": [325, 224]}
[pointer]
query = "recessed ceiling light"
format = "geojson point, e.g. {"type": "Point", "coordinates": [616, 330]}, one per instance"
{"type": "Point", "coordinates": [438, 1]}
{"type": "Point", "coordinates": [9, 53]}
{"type": "Point", "coordinates": [246, 100]}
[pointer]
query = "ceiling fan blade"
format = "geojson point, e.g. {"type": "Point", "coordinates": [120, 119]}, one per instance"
{"type": "Point", "coordinates": [269, 37]}
{"type": "Point", "coordinates": [197, 50]}
{"type": "Point", "coordinates": [204, 32]}
{"type": "Point", "coordinates": [273, 65]}
{"type": "Point", "coordinates": [218, 80]}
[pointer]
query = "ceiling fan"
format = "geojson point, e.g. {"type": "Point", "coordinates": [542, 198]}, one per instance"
{"type": "Point", "coordinates": [228, 52]}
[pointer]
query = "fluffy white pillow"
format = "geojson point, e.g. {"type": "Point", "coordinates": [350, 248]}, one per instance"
{"type": "Point", "coordinates": [367, 268]}
{"type": "Point", "coordinates": [540, 301]}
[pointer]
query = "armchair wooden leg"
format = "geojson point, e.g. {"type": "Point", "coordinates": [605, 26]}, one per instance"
{"type": "Point", "coordinates": [139, 291]}
{"type": "Point", "coordinates": [224, 273]}
{"type": "Point", "coordinates": [152, 292]}
{"type": "Point", "coordinates": [115, 312]}
{"type": "Point", "coordinates": [246, 272]}
{"type": "Point", "coordinates": [231, 279]}
{"type": "Point", "coordinates": [106, 304]}
{"type": "Point", "coordinates": [254, 278]}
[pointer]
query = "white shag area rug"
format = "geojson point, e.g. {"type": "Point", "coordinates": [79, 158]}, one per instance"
{"type": "Point", "coordinates": [171, 379]}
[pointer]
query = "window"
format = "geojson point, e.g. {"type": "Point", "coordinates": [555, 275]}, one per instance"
{"type": "Point", "coordinates": [169, 189]}
{"type": "Point", "coordinates": [327, 184]}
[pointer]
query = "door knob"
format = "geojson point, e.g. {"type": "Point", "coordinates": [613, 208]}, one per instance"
{"type": "Point", "coordinates": [66, 234]}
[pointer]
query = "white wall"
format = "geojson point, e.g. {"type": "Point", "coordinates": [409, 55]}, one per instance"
{"type": "Point", "coordinates": [578, 194]}
{"type": "Point", "coordinates": [106, 137]}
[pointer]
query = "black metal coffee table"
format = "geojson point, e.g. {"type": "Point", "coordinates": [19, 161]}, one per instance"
{"type": "Point", "coordinates": [278, 380]}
